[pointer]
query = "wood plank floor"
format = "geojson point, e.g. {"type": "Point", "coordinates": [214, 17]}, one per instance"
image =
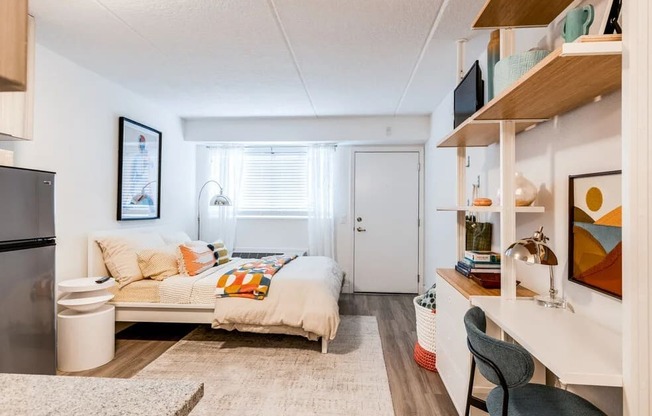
{"type": "Point", "coordinates": [415, 391]}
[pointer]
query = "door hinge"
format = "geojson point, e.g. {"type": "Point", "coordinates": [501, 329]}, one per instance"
{"type": "Point", "coordinates": [418, 166]}
{"type": "Point", "coordinates": [418, 222]}
{"type": "Point", "coordinates": [418, 278]}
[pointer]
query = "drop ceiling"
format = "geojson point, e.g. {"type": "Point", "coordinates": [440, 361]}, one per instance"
{"type": "Point", "coordinates": [268, 58]}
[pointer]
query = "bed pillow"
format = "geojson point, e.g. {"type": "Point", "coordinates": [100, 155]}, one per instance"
{"type": "Point", "coordinates": [158, 263]}
{"type": "Point", "coordinates": [176, 238]}
{"type": "Point", "coordinates": [195, 257]}
{"type": "Point", "coordinates": [220, 252]}
{"type": "Point", "coordinates": [120, 257]}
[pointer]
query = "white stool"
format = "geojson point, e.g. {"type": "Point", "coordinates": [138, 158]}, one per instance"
{"type": "Point", "coordinates": [86, 331]}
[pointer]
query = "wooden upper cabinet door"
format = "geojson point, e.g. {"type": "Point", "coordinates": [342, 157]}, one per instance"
{"type": "Point", "coordinates": [13, 45]}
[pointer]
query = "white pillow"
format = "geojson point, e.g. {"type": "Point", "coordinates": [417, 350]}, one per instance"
{"type": "Point", "coordinates": [176, 238]}
{"type": "Point", "coordinates": [120, 256]}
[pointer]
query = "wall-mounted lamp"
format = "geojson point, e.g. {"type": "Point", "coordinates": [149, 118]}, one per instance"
{"type": "Point", "coordinates": [218, 200]}
{"type": "Point", "coordinates": [534, 250]}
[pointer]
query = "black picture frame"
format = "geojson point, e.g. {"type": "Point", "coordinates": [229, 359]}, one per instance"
{"type": "Point", "coordinates": [139, 171]}
{"type": "Point", "coordinates": [601, 237]}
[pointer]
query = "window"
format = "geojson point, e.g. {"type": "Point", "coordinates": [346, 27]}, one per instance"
{"type": "Point", "coordinates": [274, 183]}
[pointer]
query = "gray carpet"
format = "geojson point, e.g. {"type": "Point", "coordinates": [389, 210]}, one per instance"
{"type": "Point", "coordinates": [254, 374]}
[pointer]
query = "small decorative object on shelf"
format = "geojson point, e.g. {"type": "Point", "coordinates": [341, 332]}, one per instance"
{"type": "Point", "coordinates": [493, 56]}
{"type": "Point", "coordinates": [478, 234]}
{"type": "Point", "coordinates": [525, 192]}
{"type": "Point", "coordinates": [510, 69]}
{"type": "Point", "coordinates": [577, 22]}
{"type": "Point", "coordinates": [425, 352]}
{"type": "Point", "coordinates": [482, 202]}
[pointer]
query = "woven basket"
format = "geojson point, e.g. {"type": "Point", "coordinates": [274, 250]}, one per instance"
{"type": "Point", "coordinates": [425, 349]}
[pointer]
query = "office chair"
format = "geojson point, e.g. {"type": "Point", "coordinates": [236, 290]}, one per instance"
{"type": "Point", "coordinates": [511, 367]}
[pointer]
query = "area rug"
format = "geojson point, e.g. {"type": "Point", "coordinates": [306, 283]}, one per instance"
{"type": "Point", "coordinates": [255, 374]}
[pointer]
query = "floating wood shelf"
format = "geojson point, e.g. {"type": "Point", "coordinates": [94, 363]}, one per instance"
{"type": "Point", "coordinates": [479, 133]}
{"type": "Point", "coordinates": [468, 287]}
{"type": "Point", "coordinates": [571, 76]}
{"type": "Point", "coordinates": [522, 13]}
{"type": "Point", "coordinates": [494, 208]}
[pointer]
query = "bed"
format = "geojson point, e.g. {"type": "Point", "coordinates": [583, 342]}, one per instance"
{"type": "Point", "coordinates": [302, 299]}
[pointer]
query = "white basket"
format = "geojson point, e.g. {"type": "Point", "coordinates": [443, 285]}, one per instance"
{"type": "Point", "coordinates": [426, 325]}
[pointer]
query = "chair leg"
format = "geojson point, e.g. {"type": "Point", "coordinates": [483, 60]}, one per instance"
{"type": "Point", "coordinates": [471, 400]}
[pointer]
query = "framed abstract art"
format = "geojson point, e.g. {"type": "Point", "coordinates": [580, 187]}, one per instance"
{"type": "Point", "coordinates": [595, 232]}
{"type": "Point", "coordinates": [139, 171]}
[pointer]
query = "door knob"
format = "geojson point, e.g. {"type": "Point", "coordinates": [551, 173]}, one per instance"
{"type": "Point", "coordinates": [361, 230]}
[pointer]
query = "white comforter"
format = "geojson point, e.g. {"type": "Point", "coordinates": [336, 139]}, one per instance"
{"type": "Point", "coordinates": [302, 299]}
{"type": "Point", "coordinates": [302, 295]}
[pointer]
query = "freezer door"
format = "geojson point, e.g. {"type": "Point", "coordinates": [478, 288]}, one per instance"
{"type": "Point", "coordinates": [27, 311]}
{"type": "Point", "coordinates": [26, 204]}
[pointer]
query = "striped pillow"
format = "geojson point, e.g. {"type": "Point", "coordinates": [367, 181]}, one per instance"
{"type": "Point", "coordinates": [220, 252]}
{"type": "Point", "coordinates": [195, 257]}
{"type": "Point", "coordinates": [158, 263]}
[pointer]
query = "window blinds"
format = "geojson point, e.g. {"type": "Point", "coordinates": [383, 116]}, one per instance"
{"type": "Point", "coordinates": [274, 184]}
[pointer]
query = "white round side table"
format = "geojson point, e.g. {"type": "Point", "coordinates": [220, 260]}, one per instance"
{"type": "Point", "coordinates": [86, 330]}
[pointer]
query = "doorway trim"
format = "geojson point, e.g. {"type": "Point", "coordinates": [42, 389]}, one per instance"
{"type": "Point", "coordinates": [390, 149]}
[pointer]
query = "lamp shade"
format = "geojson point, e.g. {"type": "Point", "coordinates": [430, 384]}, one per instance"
{"type": "Point", "coordinates": [220, 201]}
{"type": "Point", "coordinates": [533, 250]}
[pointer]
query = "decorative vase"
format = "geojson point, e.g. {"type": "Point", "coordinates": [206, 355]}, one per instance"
{"type": "Point", "coordinates": [525, 192]}
{"type": "Point", "coordinates": [493, 56]}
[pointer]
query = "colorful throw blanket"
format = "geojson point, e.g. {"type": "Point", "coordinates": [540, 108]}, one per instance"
{"type": "Point", "coordinates": [251, 280]}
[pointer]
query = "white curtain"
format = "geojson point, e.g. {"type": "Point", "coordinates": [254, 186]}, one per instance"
{"type": "Point", "coordinates": [321, 223]}
{"type": "Point", "coordinates": [224, 165]}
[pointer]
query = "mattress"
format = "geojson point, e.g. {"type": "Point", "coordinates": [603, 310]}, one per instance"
{"type": "Point", "coordinates": [177, 289]}
{"type": "Point", "coordinates": [141, 291]}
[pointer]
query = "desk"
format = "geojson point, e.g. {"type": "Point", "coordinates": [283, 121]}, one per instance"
{"type": "Point", "coordinates": [576, 349]}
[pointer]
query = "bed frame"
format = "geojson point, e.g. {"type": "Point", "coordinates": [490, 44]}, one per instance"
{"type": "Point", "coordinates": [150, 312]}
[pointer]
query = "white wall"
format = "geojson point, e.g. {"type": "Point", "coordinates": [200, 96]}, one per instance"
{"type": "Point", "coordinates": [358, 130]}
{"type": "Point", "coordinates": [76, 135]}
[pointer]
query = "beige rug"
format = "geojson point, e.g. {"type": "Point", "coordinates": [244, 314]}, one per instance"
{"type": "Point", "coordinates": [254, 374]}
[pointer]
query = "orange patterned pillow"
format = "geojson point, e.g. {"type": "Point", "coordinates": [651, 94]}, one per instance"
{"type": "Point", "coordinates": [195, 257]}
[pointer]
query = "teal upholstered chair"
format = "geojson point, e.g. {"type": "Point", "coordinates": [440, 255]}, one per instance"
{"type": "Point", "coordinates": [511, 367]}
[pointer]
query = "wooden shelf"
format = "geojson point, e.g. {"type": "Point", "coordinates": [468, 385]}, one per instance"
{"type": "Point", "coordinates": [494, 208]}
{"type": "Point", "coordinates": [479, 133]}
{"type": "Point", "coordinates": [522, 13]}
{"type": "Point", "coordinates": [468, 287]}
{"type": "Point", "coordinates": [571, 76]}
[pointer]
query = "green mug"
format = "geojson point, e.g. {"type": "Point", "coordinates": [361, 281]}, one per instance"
{"type": "Point", "coordinates": [577, 22]}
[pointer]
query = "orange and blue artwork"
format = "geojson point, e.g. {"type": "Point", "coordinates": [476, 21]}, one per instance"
{"type": "Point", "coordinates": [595, 246]}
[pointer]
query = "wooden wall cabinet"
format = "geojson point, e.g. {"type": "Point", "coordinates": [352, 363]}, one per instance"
{"type": "Point", "coordinates": [17, 108]}
{"type": "Point", "coordinates": [13, 45]}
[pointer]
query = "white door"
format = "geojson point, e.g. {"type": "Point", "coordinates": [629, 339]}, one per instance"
{"type": "Point", "coordinates": [386, 228]}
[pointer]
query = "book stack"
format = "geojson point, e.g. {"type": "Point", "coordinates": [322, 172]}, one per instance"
{"type": "Point", "coordinates": [479, 262]}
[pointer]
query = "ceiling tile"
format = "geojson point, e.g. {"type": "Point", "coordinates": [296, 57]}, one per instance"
{"type": "Point", "coordinates": [357, 56]}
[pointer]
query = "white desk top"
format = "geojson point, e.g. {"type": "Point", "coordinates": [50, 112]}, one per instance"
{"type": "Point", "coordinates": [578, 350]}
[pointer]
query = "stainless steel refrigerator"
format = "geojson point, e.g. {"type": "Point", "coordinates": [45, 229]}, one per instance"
{"type": "Point", "coordinates": [27, 246]}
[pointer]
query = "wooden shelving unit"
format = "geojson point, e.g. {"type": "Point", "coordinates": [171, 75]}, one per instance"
{"type": "Point", "coordinates": [468, 287]}
{"type": "Point", "coordinates": [522, 13]}
{"type": "Point", "coordinates": [478, 133]}
{"type": "Point", "coordinates": [571, 76]}
{"type": "Point", "coordinates": [494, 208]}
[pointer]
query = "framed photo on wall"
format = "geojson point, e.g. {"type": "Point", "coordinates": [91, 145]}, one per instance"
{"type": "Point", "coordinates": [595, 232]}
{"type": "Point", "coordinates": [139, 171]}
